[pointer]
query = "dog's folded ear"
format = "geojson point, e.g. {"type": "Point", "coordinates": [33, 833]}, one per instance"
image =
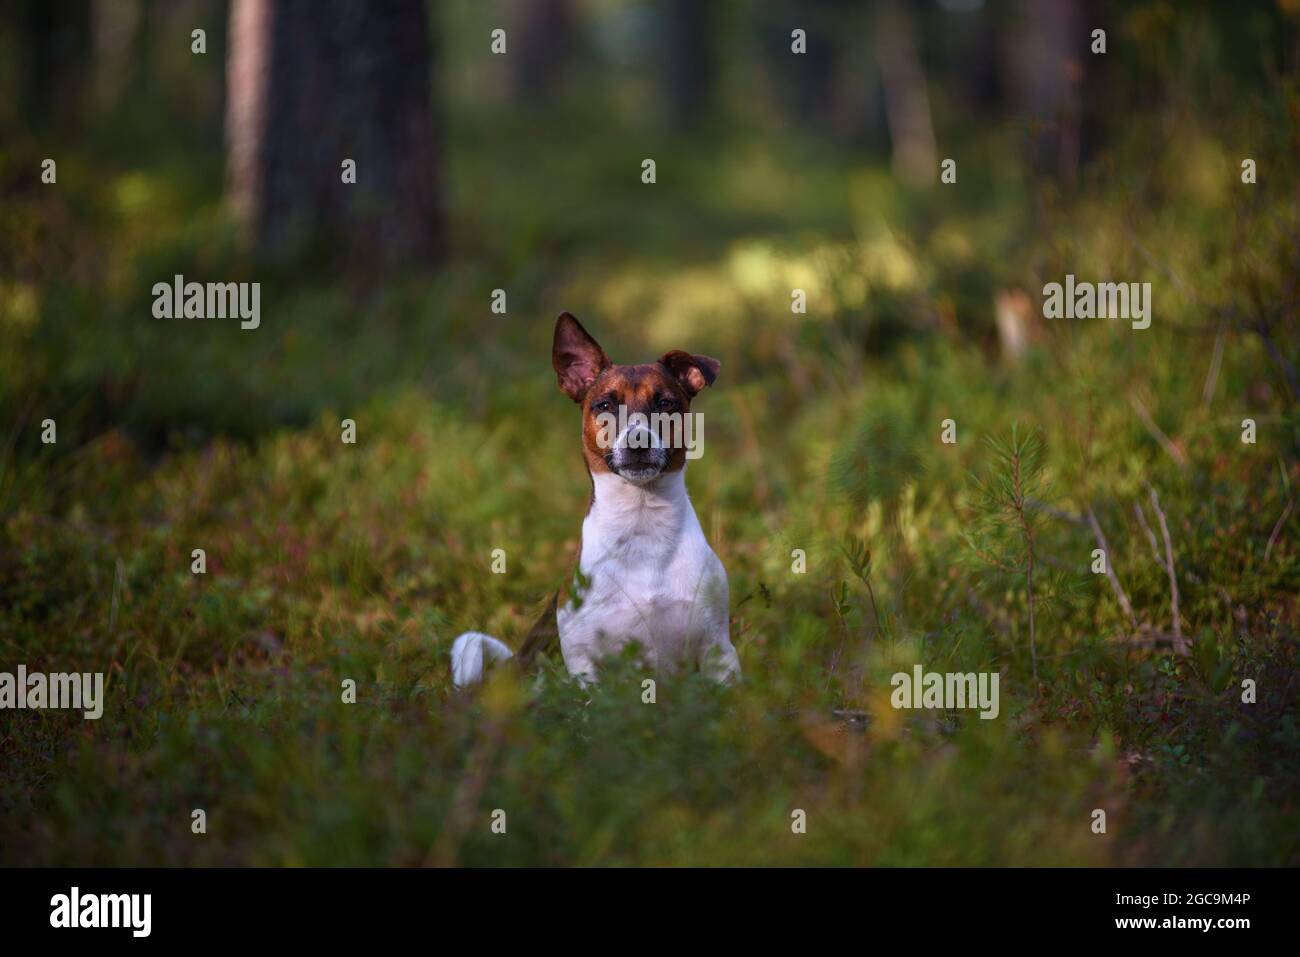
{"type": "Point", "coordinates": [693, 372]}
{"type": "Point", "coordinates": [577, 357]}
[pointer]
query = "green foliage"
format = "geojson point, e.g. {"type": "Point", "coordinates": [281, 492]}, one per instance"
{"type": "Point", "coordinates": [329, 561]}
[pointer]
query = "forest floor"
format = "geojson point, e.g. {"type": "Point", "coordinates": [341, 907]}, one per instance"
{"type": "Point", "coordinates": [329, 562]}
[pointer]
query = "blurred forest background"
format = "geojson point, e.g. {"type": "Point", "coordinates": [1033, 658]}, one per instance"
{"type": "Point", "coordinates": [775, 171]}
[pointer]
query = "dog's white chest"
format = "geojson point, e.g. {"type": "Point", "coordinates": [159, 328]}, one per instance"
{"type": "Point", "coordinates": [651, 578]}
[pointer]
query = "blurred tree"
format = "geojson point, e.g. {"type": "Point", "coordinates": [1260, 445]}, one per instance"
{"type": "Point", "coordinates": [1045, 58]}
{"type": "Point", "coordinates": [58, 41]}
{"type": "Point", "coordinates": [834, 87]}
{"type": "Point", "coordinates": [312, 84]}
{"type": "Point", "coordinates": [544, 40]}
{"type": "Point", "coordinates": [690, 60]}
{"type": "Point", "coordinates": [907, 102]}
{"type": "Point", "coordinates": [963, 58]}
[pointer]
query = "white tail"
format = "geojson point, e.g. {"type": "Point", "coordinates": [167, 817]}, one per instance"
{"type": "Point", "coordinates": [468, 653]}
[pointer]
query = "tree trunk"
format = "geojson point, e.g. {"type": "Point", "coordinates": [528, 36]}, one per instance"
{"type": "Point", "coordinates": [311, 84]}
{"type": "Point", "coordinates": [58, 41]}
{"type": "Point", "coordinates": [544, 41]}
{"type": "Point", "coordinates": [690, 62]}
{"type": "Point", "coordinates": [1046, 68]}
{"type": "Point", "coordinates": [907, 102]}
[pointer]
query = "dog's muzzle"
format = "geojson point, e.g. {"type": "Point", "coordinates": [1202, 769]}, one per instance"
{"type": "Point", "coordinates": [638, 454]}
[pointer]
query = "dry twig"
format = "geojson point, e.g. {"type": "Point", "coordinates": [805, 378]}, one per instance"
{"type": "Point", "coordinates": [1166, 443]}
{"type": "Point", "coordinates": [1277, 528]}
{"type": "Point", "coordinates": [1180, 643]}
{"type": "Point", "coordinates": [1116, 587]}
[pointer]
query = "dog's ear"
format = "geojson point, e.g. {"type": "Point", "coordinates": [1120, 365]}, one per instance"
{"type": "Point", "coordinates": [693, 372]}
{"type": "Point", "coordinates": [577, 357]}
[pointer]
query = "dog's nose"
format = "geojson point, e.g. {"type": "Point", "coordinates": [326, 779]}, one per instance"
{"type": "Point", "coordinates": [638, 439]}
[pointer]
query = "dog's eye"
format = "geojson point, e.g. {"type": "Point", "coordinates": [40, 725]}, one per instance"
{"type": "Point", "coordinates": [666, 403]}
{"type": "Point", "coordinates": [604, 405]}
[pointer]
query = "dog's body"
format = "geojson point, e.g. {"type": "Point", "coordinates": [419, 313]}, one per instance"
{"type": "Point", "coordinates": [647, 576]}
{"type": "Point", "coordinates": [653, 579]}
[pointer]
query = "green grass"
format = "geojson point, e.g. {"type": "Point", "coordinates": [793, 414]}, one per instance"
{"type": "Point", "coordinates": [328, 562]}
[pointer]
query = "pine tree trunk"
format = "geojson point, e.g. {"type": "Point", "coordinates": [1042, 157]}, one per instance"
{"type": "Point", "coordinates": [312, 83]}
{"type": "Point", "coordinates": [58, 41]}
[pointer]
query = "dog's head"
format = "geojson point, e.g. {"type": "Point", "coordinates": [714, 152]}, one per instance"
{"type": "Point", "coordinates": [635, 419]}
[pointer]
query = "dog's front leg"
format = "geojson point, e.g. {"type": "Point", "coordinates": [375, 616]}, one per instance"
{"type": "Point", "coordinates": [719, 659]}
{"type": "Point", "coordinates": [579, 657]}
{"type": "Point", "coordinates": [711, 623]}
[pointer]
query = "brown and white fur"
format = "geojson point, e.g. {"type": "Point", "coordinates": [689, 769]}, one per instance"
{"type": "Point", "coordinates": [649, 576]}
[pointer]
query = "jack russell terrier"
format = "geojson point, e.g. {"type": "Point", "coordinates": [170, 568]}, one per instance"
{"type": "Point", "coordinates": [646, 574]}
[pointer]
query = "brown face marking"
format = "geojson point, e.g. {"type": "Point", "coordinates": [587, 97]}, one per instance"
{"type": "Point", "coordinates": [646, 389]}
{"type": "Point", "coordinates": [663, 388]}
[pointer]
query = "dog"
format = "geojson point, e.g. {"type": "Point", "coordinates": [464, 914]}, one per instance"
{"type": "Point", "coordinates": [646, 574]}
